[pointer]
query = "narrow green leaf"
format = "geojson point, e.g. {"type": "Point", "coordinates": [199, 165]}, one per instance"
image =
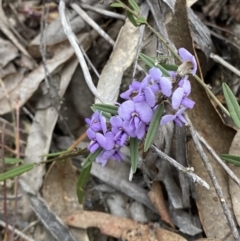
{"type": "Point", "coordinates": [141, 20]}
{"type": "Point", "coordinates": [56, 153]}
{"type": "Point", "coordinates": [117, 5]}
{"type": "Point", "coordinates": [134, 5]}
{"type": "Point", "coordinates": [132, 19]}
{"type": "Point", "coordinates": [233, 106]}
{"type": "Point", "coordinates": [152, 63]}
{"type": "Point", "coordinates": [16, 171]}
{"type": "Point", "coordinates": [91, 158]}
{"type": "Point", "coordinates": [231, 159]}
{"type": "Point", "coordinates": [153, 127]}
{"type": "Point", "coordinates": [111, 109]}
{"type": "Point", "coordinates": [10, 160]}
{"type": "Point", "coordinates": [105, 114]}
{"type": "Point", "coordinates": [169, 67]}
{"type": "Point", "coordinates": [81, 183]}
{"type": "Point", "coordinates": [134, 154]}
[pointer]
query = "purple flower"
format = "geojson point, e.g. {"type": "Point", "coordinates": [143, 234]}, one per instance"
{"type": "Point", "coordinates": [120, 136]}
{"type": "Point", "coordinates": [114, 154]}
{"type": "Point", "coordinates": [135, 117]}
{"type": "Point", "coordinates": [99, 140]}
{"type": "Point", "coordinates": [179, 96]}
{"type": "Point", "coordinates": [186, 56]}
{"type": "Point", "coordinates": [164, 83]}
{"type": "Point", "coordinates": [132, 91]}
{"type": "Point", "coordinates": [178, 118]}
{"type": "Point", "coordinates": [97, 122]}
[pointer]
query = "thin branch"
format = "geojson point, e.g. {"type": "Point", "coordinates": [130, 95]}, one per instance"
{"type": "Point", "coordinates": [92, 23]}
{"type": "Point", "coordinates": [73, 41]}
{"type": "Point", "coordinates": [3, 224]}
{"type": "Point", "coordinates": [216, 185]}
{"type": "Point", "coordinates": [221, 61]}
{"type": "Point", "coordinates": [103, 11]}
{"type": "Point", "coordinates": [185, 170]}
{"type": "Point", "coordinates": [219, 160]}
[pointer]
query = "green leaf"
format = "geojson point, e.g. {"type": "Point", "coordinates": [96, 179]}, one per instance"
{"type": "Point", "coordinates": [56, 153]}
{"type": "Point", "coordinates": [233, 106]}
{"type": "Point", "coordinates": [105, 114]}
{"type": "Point", "coordinates": [141, 20]}
{"type": "Point", "coordinates": [132, 19]}
{"type": "Point", "coordinates": [134, 5]}
{"type": "Point", "coordinates": [152, 63]}
{"type": "Point", "coordinates": [117, 5]}
{"type": "Point", "coordinates": [231, 158]}
{"type": "Point", "coordinates": [81, 183]}
{"type": "Point", "coordinates": [91, 158]}
{"type": "Point", "coordinates": [153, 127]}
{"type": "Point", "coordinates": [10, 160]}
{"type": "Point", "coordinates": [134, 154]}
{"type": "Point", "coordinates": [169, 67]}
{"type": "Point", "coordinates": [111, 109]}
{"type": "Point", "coordinates": [16, 171]}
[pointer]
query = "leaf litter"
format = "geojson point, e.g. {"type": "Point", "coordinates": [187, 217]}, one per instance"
{"type": "Point", "coordinates": [158, 193]}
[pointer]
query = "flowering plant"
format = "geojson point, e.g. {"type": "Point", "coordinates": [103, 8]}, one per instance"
{"type": "Point", "coordinates": [142, 111]}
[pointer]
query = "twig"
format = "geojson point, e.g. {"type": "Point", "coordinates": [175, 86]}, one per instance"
{"type": "Point", "coordinates": [221, 61]}
{"type": "Point", "coordinates": [103, 11]}
{"type": "Point", "coordinates": [92, 23]}
{"type": "Point", "coordinates": [72, 39]}
{"type": "Point", "coordinates": [219, 160]}
{"type": "Point", "coordinates": [216, 185]}
{"type": "Point", "coordinates": [3, 224]}
{"type": "Point", "coordinates": [181, 168]}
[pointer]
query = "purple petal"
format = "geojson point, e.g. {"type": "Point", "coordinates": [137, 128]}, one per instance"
{"type": "Point", "coordinates": [187, 102]}
{"type": "Point", "coordinates": [103, 157]}
{"type": "Point", "coordinates": [101, 139]}
{"type": "Point", "coordinates": [178, 122]}
{"type": "Point", "coordinates": [91, 134]}
{"type": "Point", "coordinates": [139, 98]}
{"type": "Point", "coordinates": [185, 84]}
{"type": "Point", "coordinates": [93, 146]}
{"type": "Point", "coordinates": [129, 129]}
{"type": "Point", "coordinates": [184, 54]}
{"type": "Point", "coordinates": [123, 139]}
{"type": "Point", "coordinates": [166, 86]}
{"type": "Point", "coordinates": [179, 112]}
{"type": "Point", "coordinates": [103, 123]}
{"type": "Point", "coordinates": [140, 130]}
{"type": "Point", "coordinates": [125, 110]}
{"type": "Point", "coordinates": [177, 98]}
{"type": "Point", "coordinates": [150, 97]}
{"type": "Point", "coordinates": [116, 121]}
{"type": "Point", "coordinates": [144, 111]}
{"type": "Point", "coordinates": [187, 56]}
{"type": "Point", "coordinates": [167, 118]}
{"type": "Point", "coordinates": [155, 73]}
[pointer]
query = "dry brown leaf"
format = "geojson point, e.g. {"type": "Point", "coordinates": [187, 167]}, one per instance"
{"type": "Point", "coordinates": [29, 84]}
{"type": "Point", "coordinates": [62, 177]}
{"type": "Point", "coordinates": [40, 135]}
{"type": "Point", "coordinates": [8, 52]}
{"type": "Point", "coordinates": [157, 198]}
{"type": "Point", "coordinates": [208, 124]}
{"type": "Point", "coordinates": [118, 227]}
{"type": "Point", "coordinates": [121, 58]}
{"type": "Point", "coordinates": [233, 187]}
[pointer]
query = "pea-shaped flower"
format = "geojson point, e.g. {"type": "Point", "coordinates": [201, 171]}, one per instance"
{"type": "Point", "coordinates": [135, 117]}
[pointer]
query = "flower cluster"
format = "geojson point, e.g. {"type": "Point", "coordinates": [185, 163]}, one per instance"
{"type": "Point", "coordinates": [136, 112]}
